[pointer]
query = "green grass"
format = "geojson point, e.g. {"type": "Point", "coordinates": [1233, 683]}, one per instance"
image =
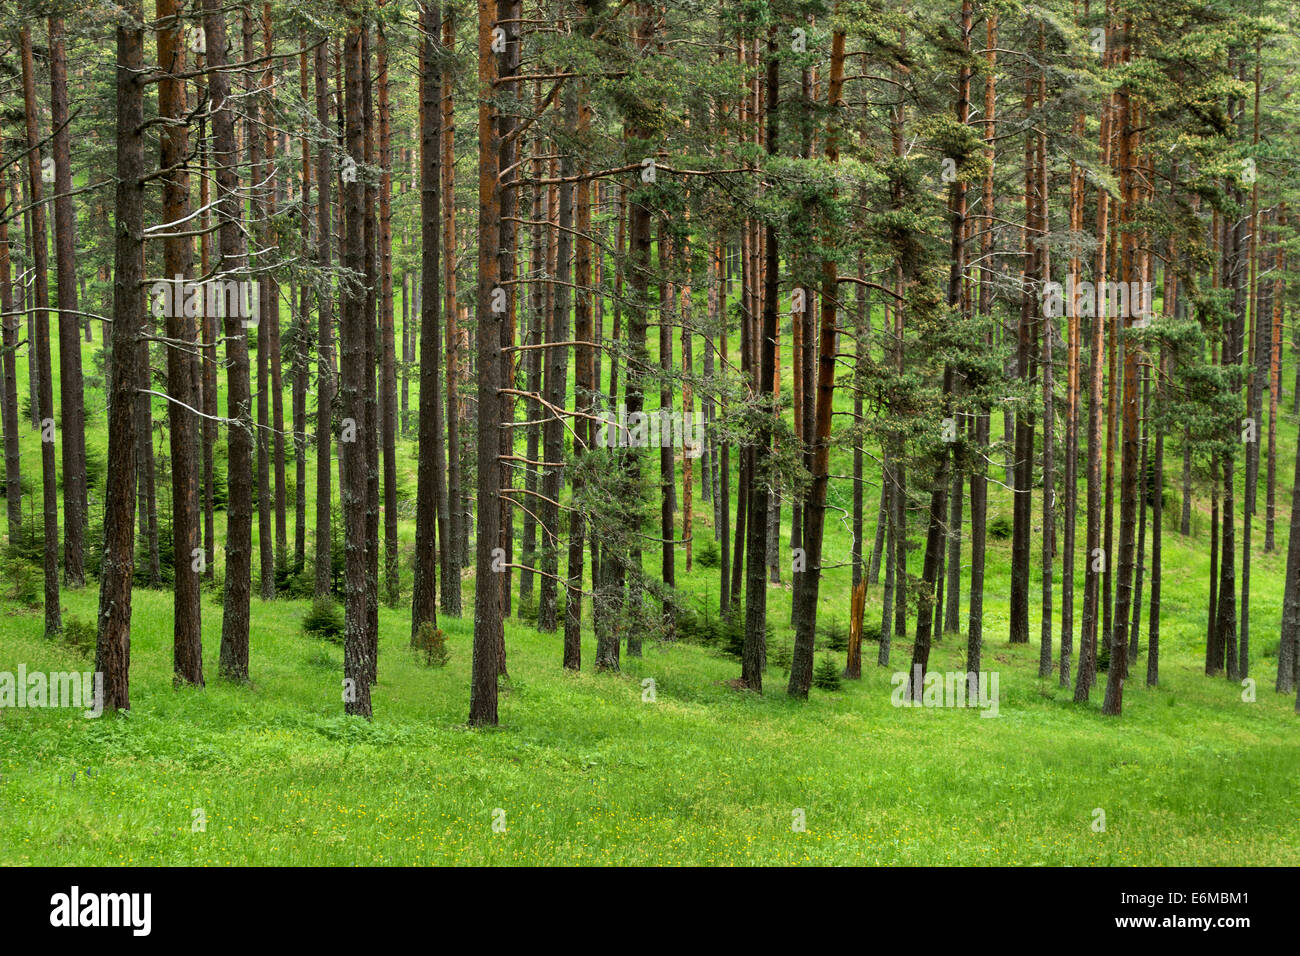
{"type": "Point", "coordinates": [586, 772]}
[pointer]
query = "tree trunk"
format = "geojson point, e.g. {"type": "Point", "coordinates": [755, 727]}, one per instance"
{"type": "Point", "coordinates": [423, 599]}
{"type": "Point", "coordinates": [487, 591]}
{"type": "Point", "coordinates": [72, 426]}
{"type": "Point", "coordinates": [232, 261]}
{"type": "Point", "coordinates": [354, 443]}
{"type": "Point", "coordinates": [11, 326]}
{"type": "Point", "coordinates": [40, 326]}
{"type": "Point", "coordinates": [113, 649]}
{"type": "Point", "coordinates": [457, 502]}
{"type": "Point", "coordinates": [187, 657]}
{"type": "Point", "coordinates": [325, 383]}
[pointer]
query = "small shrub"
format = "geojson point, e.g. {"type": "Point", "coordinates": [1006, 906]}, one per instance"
{"type": "Point", "coordinates": [782, 655]}
{"type": "Point", "coordinates": [871, 631]}
{"type": "Point", "coordinates": [999, 528]}
{"type": "Point", "coordinates": [834, 636]}
{"type": "Point", "coordinates": [431, 644]}
{"type": "Point", "coordinates": [686, 626]}
{"type": "Point", "coordinates": [324, 621]}
{"type": "Point", "coordinates": [708, 556]}
{"type": "Point", "coordinates": [733, 634]}
{"type": "Point", "coordinates": [705, 627]}
{"type": "Point", "coordinates": [25, 586]}
{"type": "Point", "coordinates": [827, 674]}
{"type": "Point", "coordinates": [80, 635]}
{"type": "Point", "coordinates": [526, 608]}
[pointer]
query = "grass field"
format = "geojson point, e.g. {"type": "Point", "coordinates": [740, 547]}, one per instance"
{"type": "Point", "coordinates": [588, 773]}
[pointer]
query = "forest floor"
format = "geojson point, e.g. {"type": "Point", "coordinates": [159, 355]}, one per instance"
{"type": "Point", "coordinates": [583, 770]}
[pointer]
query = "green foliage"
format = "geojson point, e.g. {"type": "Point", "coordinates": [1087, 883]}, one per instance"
{"type": "Point", "coordinates": [733, 633]}
{"type": "Point", "coordinates": [24, 583]}
{"type": "Point", "coordinates": [324, 621]}
{"type": "Point", "coordinates": [294, 583]}
{"type": "Point", "coordinates": [708, 556]}
{"type": "Point", "coordinates": [871, 631]}
{"type": "Point", "coordinates": [827, 674]}
{"type": "Point", "coordinates": [80, 635]}
{"type": "Point", "coordinates": [834, 635]}
{"type": "Point", "coordinates": [781, 655]}
{"type": "Point", "coordinates": [999, 529]}
{"type": "Point", "coordinates": [431, 645]}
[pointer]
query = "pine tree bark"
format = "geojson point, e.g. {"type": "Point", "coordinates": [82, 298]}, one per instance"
{"type": "Point", "coordinates": [325, 375]}
{"type": "Point", "coordinates": [487, 591]}
{"type": "Point", "coordinates": [231, 261]}
{"type": "Point", "coordinates": [423, 599]}
{"type": "Point", "coordinates": [457, 503]}
{"type": "Point", "coordinates": [187, 657]}
{"type": "Point", "coordinates": [43, 392]}
{"type": "Point", "coordinates": [11, 324]}
{"type": "Point", "coordinates": [72, 430]}
{"type": "Point", "coordinates": [387, 344]}
{"type": "Point", "coordinates": [352, 341]}
{"type": "Point", "coordinates": [113, 647]}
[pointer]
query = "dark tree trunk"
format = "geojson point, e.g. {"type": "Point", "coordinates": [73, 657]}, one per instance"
{"type": "Point", "coordinates": [325, 333]}
{"type": "Point", "coordinates": [271, 316]}
{"type": "Point", "coordinates": [585, 385]}
{"type": "Point", "coordinates": [388, 348]}
{"type": "Point", "coordinates": [457, 503]}
{"type": "Point", "coordinates": [754, 654]}
{"type": "Point", "coordinates": [259, 195]}
{"type": "Point", "coordinates": [423, 598]}
{"type": "Point", "coordinates": [488, 623]}
{"type": "Point", "coordinates": [113, 650]}
{"type": "Point", "coordinates": [11, 325]}
{"type": "Point", "coordinates": [72, 426]}
{"type": "Point", "coordinates": [187, 657]}
{"type": "Point", "coordinates": [814, 505]}
{"type": "Point", "coordinates": [556, 365]}
{"type": "Point", "coordinates": [231, 261]}
{"type": "Point", "coordinates": [40, 328]}
{"type": "Point", "coordinates": [354, 444]}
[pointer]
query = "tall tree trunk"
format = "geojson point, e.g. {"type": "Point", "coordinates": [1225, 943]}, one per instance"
{"type": "Point", "coordinates": [11, 325]}
{"type": "Point", "coordinates": [1157, 533]}
{"type": "Point", "coordinates": [1118, 669]}
{"type": "Point", "coordinates": [556, 364]}
{"type": "Point", "coordinates": [754, 653]}
{"type": "Point", "coordinates": [487, 591]}
{"type": "Point", "coordinates": [232, 261]}
{"type": "Point", "coordinates": [325, 380]}
{"type": "Point", "coordinates": [353, 449]}
{"type": "Point", "coordinates": [388, 375]}
{"type": "Point", "coordinates": [113, 649]}
{"type": "Point", "coordinates": [814, 506]}
{"type": "Point", "coordinates": [585, 385]}
{"type": "Point", "coordinates": [272, 315]}
{"type": "Point", "coordinates": [423, 599]}
{"type": "Point", "coordinates": [457, 502]}
{"type": "Point", "coordinates": [187, 657]}
{"type": "Point", "coordinates": [73, 424]}
{"type": "Point", "coordinates": [40, 326]}
{"type": "Point", "coordinates": [259, 212]}
{"type": "Point", "coordinates": [302, 342]}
